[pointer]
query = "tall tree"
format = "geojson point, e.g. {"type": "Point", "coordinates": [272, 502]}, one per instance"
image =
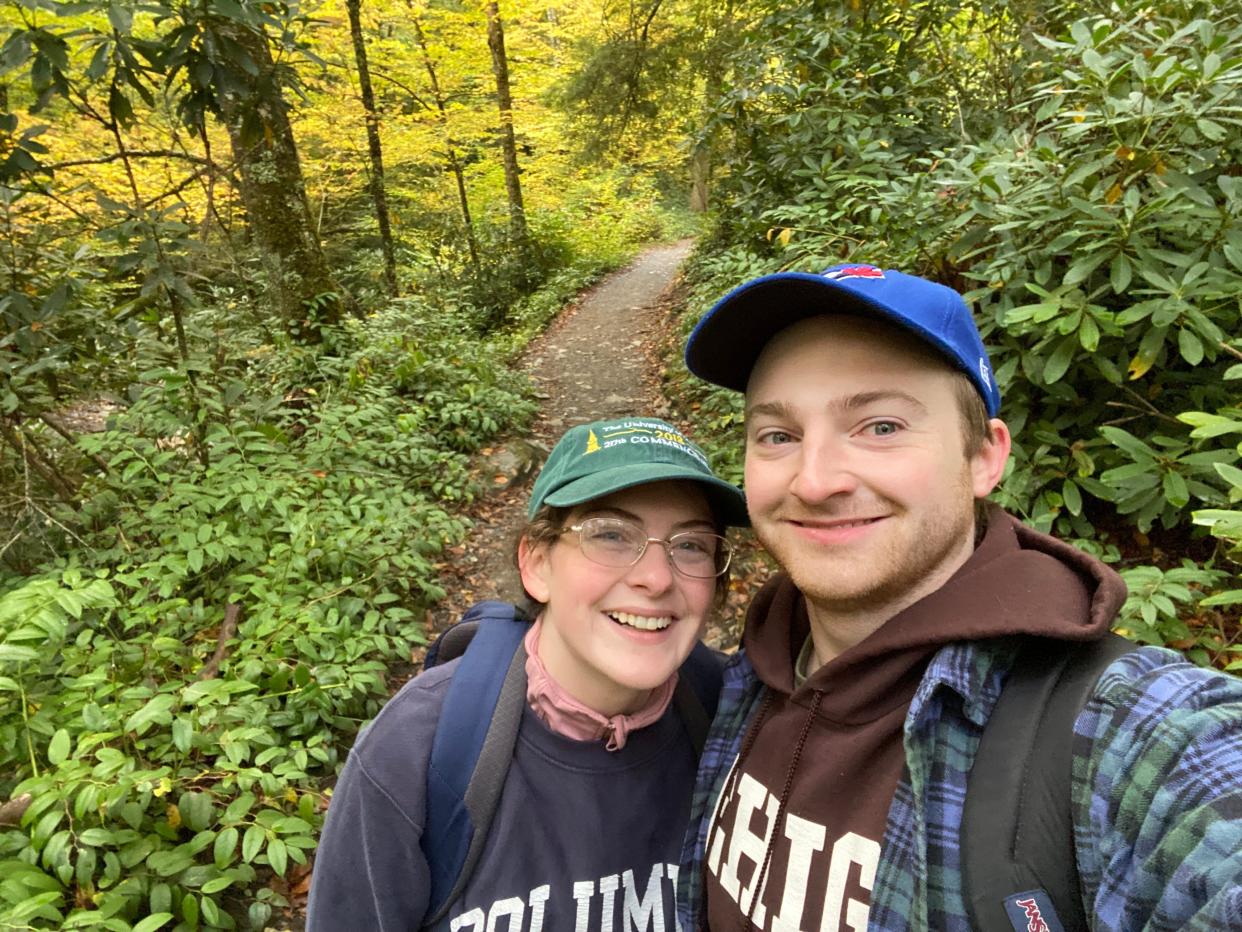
{"type": "Point", "coordinates": [513, 184]}
{"type": "Point", "coordinates": [656, 67]}
{"type": "Point", "coordinates": [378, 192]}
{"type": "Point", "coordinates": [248, 94]}
{"type": "Point", "coordinates": [718, 30]}
{"type": "Point", "coordinates": [451, 147]}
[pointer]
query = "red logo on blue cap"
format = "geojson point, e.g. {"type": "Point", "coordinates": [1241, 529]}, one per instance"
{"type": "Point", "coordinates": [854, 271]}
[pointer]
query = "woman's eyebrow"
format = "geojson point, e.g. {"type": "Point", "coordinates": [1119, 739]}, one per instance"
{"type": "Point", "coordinates": [614, 512]}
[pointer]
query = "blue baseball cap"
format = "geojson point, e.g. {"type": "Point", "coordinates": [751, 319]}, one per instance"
{"type": "Point", "coordinates": [726, 343]}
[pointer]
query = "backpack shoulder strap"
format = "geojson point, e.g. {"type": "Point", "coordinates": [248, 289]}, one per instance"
{"type": "Point", "coordinates": [698, 688]}
{"type": "Point", "coordinates": [1018, 858]}
{"type": "Point", "coordinates": [473, 746]}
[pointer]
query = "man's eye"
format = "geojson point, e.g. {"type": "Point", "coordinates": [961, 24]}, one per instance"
{"type": "Point", "coordinates": [776, 437]}
{"type": "Point", "coordinates": [884, 428]}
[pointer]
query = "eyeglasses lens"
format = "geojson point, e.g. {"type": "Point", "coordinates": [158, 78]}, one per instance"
{"type": "Point", "coordinates": [614, 542]}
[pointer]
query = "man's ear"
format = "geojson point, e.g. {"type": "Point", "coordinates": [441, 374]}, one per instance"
{"type": "Point", "coordinates": [534, 566]}
{"type": "Point", "coordinates": [988, 465]}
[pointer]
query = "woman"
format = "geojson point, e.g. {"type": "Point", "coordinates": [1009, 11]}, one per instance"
{"type": "Point", "coordinates": [623, 559]}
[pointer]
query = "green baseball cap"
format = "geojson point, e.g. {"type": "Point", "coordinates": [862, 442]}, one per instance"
{"type": "Point", "coordinates": [597, 459]}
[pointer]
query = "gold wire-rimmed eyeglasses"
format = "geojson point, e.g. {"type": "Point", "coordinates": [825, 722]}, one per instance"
{"type": "Point", "coordinates": [620, 543]}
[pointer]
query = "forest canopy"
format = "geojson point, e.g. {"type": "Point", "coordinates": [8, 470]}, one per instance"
{"type": "Point", "coordinates": [266, 269]}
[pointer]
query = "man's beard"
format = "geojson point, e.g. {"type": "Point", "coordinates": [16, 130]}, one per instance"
{"type": "Point", "coordinates": [886, 573]}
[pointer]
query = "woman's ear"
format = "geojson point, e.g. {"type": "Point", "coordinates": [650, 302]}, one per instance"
{"type": "Point", "coordinates": [535, 568]}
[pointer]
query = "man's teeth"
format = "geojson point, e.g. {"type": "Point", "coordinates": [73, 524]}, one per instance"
{"type": "Point", "coordinates": [641, 621]}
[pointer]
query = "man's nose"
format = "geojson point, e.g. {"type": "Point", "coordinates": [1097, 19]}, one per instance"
{"type": "Point", "coordinates": [824, 470]}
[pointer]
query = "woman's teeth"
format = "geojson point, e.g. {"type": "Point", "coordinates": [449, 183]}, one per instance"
{"type": "Point", "coordinates": [641, 622]}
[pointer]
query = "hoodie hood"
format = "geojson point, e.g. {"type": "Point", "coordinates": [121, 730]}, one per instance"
{"type": "Point", "coordinates": [1017, 582]}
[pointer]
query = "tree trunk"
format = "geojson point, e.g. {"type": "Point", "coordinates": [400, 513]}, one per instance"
{"type": "Point", "coordinates": [513, 185]}
{"type": "Point", "coordinates": [378, 193]}
{"type": "Point", "coordinates": [453, 160]}
{"type": "Point", "coordinates": [274, 195]}
{"type": "Point", "coordinates": [703, 158]}
{"type": "Point", "coordinates": [700, 178]}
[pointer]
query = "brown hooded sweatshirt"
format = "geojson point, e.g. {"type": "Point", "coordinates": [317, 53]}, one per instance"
{"type": "Point", "coordinates": [823, 761]}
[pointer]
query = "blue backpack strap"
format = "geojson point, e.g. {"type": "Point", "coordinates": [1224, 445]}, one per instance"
{"type": "Point", "coordinates": [472, 747]}
{"type": "Point", "coordinates": [478, 728]}
{"type": "Point", "coordinates": [698, 689]}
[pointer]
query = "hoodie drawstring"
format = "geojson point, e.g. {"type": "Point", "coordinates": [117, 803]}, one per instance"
{"type": "Point", "coordinates": [817, 696]}
{"type": "Point", "coordinates": [726, 792]}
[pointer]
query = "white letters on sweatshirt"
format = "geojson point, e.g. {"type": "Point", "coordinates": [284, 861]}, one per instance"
{"type": "Point", "coordinates": [615, 903]}
{"type": "Point", "coordinates": [738, 850]}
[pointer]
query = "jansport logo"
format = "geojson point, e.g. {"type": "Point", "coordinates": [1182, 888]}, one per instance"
{"type": "Point", "coordinates": [854, 271]}
{"type": "Point", "coordinates": [1034, 918]}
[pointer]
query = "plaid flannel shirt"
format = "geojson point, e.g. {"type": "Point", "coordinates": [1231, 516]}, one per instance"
{"type": "Point", "coordinates": [1157, 793]}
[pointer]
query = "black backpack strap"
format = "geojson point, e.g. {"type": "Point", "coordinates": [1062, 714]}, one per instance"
{"type": "Point", "coordinates": [1018, 859]}
{"type": "Point", "coordinates": [697, 691]}
{"type": "Point", "coordinates": [452, 643]}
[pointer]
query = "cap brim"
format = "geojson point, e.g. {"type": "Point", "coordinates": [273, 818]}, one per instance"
{"type": "Point", "coordinates": [725, 345]}
{"type": "Point", "coordinates": [726, 500]}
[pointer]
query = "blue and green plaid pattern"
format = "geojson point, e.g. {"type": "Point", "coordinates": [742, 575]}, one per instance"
{"type": "Point", "coordinates": [1157, 793]}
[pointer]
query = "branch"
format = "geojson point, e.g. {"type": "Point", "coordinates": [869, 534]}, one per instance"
{"type": "Point", "coordinates": [651, 15]}
{"type": "Point", "coordinates": [207, 169]}
{"type": "Point", "coordinates": [134, 154]}
{"type": "Point", "coordinates": [28, 450]}
{"type": "Point", "coordinates": [377, 73]}
{"type": "Point", "coordinates": [1144, 405]}
{"type": "Point", "coordinates": [64, 432]}
{"type": "Point", "coordinates": [228, 628]}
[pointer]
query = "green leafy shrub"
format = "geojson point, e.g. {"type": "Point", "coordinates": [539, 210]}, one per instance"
{"type": "Point", "coordinates": [262, 546]}
{"type": "Point", "coordinates": [1093, 221]}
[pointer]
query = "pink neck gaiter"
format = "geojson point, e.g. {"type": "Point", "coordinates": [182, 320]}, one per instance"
{"type": "Point", "coordinates": [566, 716]}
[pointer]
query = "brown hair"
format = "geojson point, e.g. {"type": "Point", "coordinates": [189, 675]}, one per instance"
{"type": "Point", "coordinates": [976, 431]}
{"type": "Point", "coordinates": [976, 426]}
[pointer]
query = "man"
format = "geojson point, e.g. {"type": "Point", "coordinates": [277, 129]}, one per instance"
{"type": "Point", "coordinates": [831, 792]}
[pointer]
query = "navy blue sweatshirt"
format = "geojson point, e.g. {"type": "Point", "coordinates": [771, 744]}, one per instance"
{"type": "Point", "coordinates": [583, 838]}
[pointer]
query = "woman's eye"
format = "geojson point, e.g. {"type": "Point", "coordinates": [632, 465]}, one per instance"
{"type": "Point", "coordinates": [694, 546]}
